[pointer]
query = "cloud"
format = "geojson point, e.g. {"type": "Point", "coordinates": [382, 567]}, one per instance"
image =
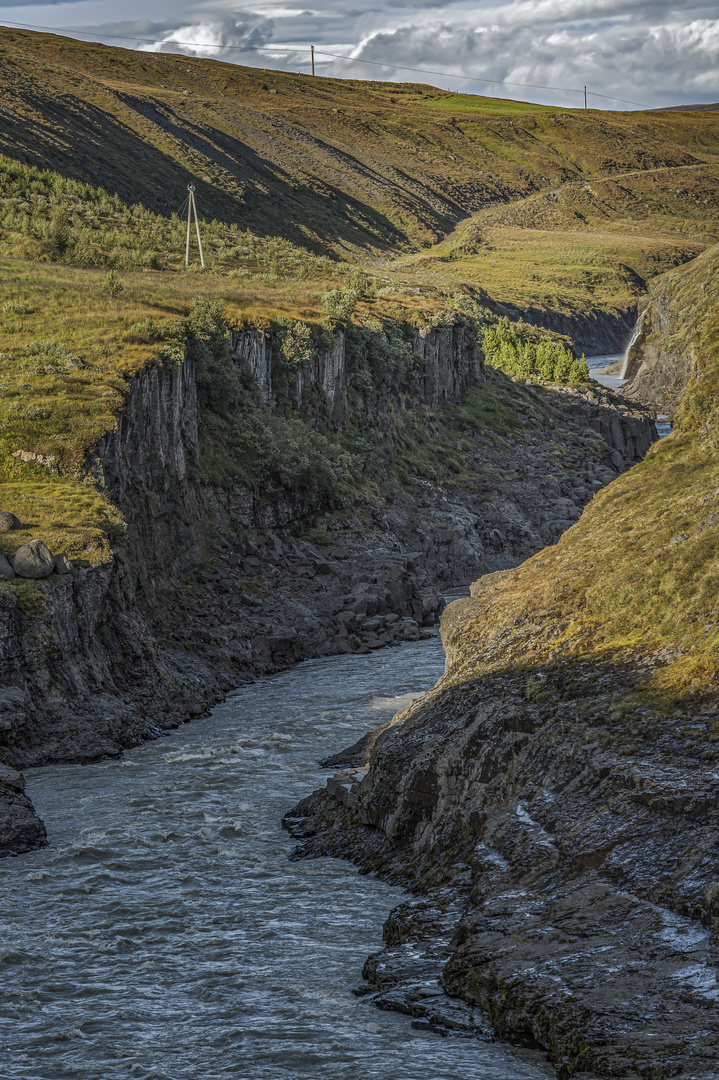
{"type": "Point", "coordinates": [634, 59]}
{"type": "Point", "coordinates": [654, 52]}
{"type": "Point", "coordinates": [208, 32]}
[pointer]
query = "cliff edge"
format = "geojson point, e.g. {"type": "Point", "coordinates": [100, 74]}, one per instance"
{"type": "Point", "coordinates": [553, 800]}
{"type": "Point", "coordinates": [673, 339]}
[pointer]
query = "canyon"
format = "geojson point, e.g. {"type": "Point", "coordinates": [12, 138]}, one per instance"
{"type": "Point", "coordinates": [116, 653]}
{"type": "Point", "coordinates": [552, 801]}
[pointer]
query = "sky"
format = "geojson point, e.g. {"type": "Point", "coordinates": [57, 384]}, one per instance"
{"type": "Point", "coordinates": [649, 53]}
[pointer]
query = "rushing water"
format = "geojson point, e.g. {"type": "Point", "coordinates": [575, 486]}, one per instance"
{"type": "Point", "coordinates": [616, 382]}
{"type": "Point", "coordinates": [164, 933]}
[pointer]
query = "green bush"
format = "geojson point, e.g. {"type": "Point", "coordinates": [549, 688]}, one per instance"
{"type": "Point", "coordinates": [550, 360]}
{"type": "Point", "coordinates": [340, 302]}
{"type": "Point", "coordinates": [112, 286]}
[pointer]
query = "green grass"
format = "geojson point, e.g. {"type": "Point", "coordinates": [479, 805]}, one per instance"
{"type": "Point", "coordinates": [323, 201]}
{"type": "Point", "coordinates": [640, 570]}
{"type": "Point", "coordinates": [499, 106]}
{"type": "Point", "coordinates": [70, 517]}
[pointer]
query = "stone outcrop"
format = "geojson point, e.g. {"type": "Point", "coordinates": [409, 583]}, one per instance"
{"type": "Point", "coordinates": [657, 371]}
{"type": "Point", "coordinates": [568, 888]}
{"type": "Point", "coordinates": [450, 364]}
{"type": "Point", "coordinates": [595, 334]}
{"type": "Point", "coordinates": [665, 357]}
{"type": "Point", "coordinates": [20, 828]}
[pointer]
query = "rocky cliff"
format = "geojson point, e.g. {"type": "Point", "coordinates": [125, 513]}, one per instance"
{"type": "Point", "coordinates": [666, 353]}
{"type": "Point", "coordinates": [215, 584]}
{"type": "Point", "coordinates": [553, 800]}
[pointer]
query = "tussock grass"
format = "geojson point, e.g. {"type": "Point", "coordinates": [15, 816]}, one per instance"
{"type": "Point", "coordinates": [638, 575]}
{"type": "Point", "coordinates": [70, 517]}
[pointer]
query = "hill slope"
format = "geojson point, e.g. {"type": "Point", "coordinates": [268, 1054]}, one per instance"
{"type": "Point", "coordinates": [560, 781]}
{"type": "Point", "coordinates": [372, 165]}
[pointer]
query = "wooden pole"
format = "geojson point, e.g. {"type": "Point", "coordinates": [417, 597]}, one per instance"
{"type": "Point", "coordinates": [197, 226]}
{"type": "Point", "coordinates": [312, 48]}
{"type": "Point", "coordinates": [189, 212]}
{"type": "Point", "coordinates": [585, 97]}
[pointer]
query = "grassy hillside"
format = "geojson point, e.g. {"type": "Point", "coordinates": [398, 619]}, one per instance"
{"type": "Point", "coordinates": [634, 583]}
{"type": "Point", "coordinates": [322, 200]}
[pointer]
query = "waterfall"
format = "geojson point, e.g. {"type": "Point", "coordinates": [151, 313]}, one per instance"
{"type": "Point", "coordinates": [635, 335]}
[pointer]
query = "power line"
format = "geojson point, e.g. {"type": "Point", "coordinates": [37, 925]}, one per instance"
{"type": "Point", "coordinates": [471, 78]}
{"type": "Point", "coordinates": [322, 52]}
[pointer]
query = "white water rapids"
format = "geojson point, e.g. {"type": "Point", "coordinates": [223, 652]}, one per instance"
{"type": "Point", "coordinates": [163, 934]}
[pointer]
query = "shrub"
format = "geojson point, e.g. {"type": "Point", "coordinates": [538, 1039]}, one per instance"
{"type": "Point", "coordinates": [340, 302]}
{"type": "Point", "coordinates": [148, 332]}
{"type": "Point", "coordinates": [112, 285]}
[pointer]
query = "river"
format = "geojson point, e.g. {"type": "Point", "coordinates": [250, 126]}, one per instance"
{"type": "Point", "coordinates": [164, 935]}
{"type": "Point", "coordinates": [616, 382]}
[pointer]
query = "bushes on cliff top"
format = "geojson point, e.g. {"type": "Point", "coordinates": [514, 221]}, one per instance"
{"type": "Point", "coordinates": [272, 453]}
{"type": "Point", "coordinates": [549, 359]}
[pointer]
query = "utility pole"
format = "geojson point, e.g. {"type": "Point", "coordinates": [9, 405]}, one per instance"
{"type": "Point", "coordinates": [192, 206]}
{"type": "Point", "coordinates": [312, 49]}
{"type": "Point", "coordinates": [585, 97]}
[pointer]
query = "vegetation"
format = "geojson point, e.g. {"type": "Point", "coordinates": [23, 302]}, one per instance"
{"type": "Point", "coordinates": [635, 582]}
{"type": "Point", "coordinates": [550, 360]}
{"type": "Point", "coordinates": [371, 207]}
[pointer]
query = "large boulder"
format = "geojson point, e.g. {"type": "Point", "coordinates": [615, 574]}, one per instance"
{"type": "Point", "coordinates": [8, 521]}
{"type": "Point", "coordinates": [33, 560]}
{"type": "Point", "coordinates": [6, 571]}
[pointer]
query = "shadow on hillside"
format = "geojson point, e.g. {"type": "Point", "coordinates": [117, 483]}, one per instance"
{"type": "Point", "coordinates": [84, 142]}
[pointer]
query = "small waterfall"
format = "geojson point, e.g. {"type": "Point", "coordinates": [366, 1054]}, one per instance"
{"type": "Point", "coordinates": [635, 335]}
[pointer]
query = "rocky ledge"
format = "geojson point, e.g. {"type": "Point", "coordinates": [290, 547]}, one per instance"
{"type": "Point", "coordinates": [20, 828]}
{"type": "Point", "coordinates": [564, 865]}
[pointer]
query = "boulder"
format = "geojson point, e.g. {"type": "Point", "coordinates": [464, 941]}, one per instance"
{"type": "Point", "coordinates": [63, 565]}
{"type": "Point", "coordinates": [6, 571]}
{"type": "Point", "coordinates": [8, 521]}
{"type": "Point", "coordinates": [33, 560]}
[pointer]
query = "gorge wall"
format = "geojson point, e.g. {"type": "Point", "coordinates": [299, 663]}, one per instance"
{"type": "Point", "coordinates": [552, 802]}
{"type": "Point", "coordinates": [665, 355]}
{"type": "Point", "coordinates": [214, 585]}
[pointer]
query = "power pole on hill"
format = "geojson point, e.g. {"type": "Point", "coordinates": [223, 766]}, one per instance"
{"type": "Point", "coordinates": [192, 206]}
{"type": "Point", "coordinates": [312, 50]}
{"type": "Point", "coordinates": [585, 97]}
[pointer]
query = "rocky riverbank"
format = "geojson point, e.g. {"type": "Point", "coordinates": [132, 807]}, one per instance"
{"type": "Point", "coordinates": [20, 828]}
{"type": "Point", "coordinates": [215, 585]}
{"type": "Point", "coordinates": [552, 802]}
{"type": "Point", "coordinates": [568, 886]}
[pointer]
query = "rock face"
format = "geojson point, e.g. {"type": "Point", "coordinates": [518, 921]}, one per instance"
{"type": "Point", "coordinates": [20, 828]}
{"type": "Point", "coordinates": [235, 592]}
{"type": "Point", "coordinates": [578, 882]}
{"type": "Point", "coordinates": [6, 571]}
{"type": "Point", "coordinates": [665, 356]}
{"type": "Point", "coordinates": [595, 336]}
{"type": "Point", "coordinates": [450, 364]}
